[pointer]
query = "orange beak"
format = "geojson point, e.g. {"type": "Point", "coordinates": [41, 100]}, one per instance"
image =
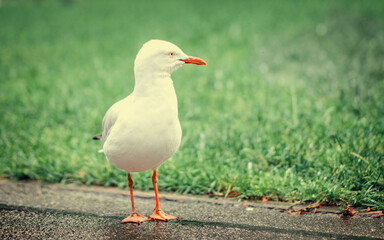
{"type": "Point", "coordinates": [194, 60]}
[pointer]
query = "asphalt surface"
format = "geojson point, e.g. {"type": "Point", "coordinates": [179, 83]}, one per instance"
{"type": "Point", "coordinates": [39, 211]}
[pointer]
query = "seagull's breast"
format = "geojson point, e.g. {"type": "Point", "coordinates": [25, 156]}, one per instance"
{"type": "Point", "coordinates": [146, 133]}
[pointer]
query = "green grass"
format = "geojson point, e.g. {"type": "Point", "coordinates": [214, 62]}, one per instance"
{"type": "Point", "coordinates": [290, 106]}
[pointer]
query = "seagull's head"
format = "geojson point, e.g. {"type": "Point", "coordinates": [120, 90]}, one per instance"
{"type": "Point", "coordinates": [160, 56]}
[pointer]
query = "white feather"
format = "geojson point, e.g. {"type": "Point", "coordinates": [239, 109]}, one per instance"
{"type": "Point", "coordinates": [143, 130]}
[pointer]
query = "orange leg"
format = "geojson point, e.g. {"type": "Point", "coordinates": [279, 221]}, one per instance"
{"type": "Point", "coordinates": [159, 215]}
{"type": "Point", "coordinates": [135, 217]}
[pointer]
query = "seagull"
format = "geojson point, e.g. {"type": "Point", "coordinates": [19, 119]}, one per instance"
{"type": "Point", "coordinates": [142, 131]}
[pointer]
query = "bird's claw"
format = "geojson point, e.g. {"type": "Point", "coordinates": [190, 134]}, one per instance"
{"type": "Point", "coordinates": [160, 216]}
{"type": "Point", "coordinates": [135, 217]}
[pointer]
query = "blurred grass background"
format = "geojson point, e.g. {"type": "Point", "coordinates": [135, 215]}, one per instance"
{"type": "Point", "coordinates": [290, 106]}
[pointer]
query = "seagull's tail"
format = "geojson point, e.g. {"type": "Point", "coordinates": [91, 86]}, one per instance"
{"type": "Point", "coordinates": [97, 137]}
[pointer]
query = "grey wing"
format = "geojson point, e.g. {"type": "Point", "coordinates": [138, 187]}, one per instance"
{"type": "Point", "coordinates": [112, 115]}
{"type": "Point", "coordinates": [109, 120]}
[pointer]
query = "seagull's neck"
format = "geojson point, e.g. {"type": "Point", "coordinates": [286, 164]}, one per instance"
{"type": "Point", "coordinates": [157, 90]}
{"type": "Point", "coordinates": [149, 83]}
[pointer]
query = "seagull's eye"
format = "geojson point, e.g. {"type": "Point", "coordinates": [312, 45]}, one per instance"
{"type": "Point", "coordinates": [171, 54]}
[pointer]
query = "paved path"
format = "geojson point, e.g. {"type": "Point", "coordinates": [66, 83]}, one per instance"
{"type": "Point", "coordinates": [39, 211]}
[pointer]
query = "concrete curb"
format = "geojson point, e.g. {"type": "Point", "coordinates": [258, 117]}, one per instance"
{"type": "Point", "coordinates": [80, 212]}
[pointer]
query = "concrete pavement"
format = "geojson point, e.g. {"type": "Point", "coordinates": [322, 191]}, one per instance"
{"type": "Point", "coordinates": [41, 211]}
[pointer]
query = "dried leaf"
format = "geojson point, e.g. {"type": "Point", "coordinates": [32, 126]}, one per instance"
{"type": "Point", "coordinates": [380, 215]}
{"type": "Point", "coordinates": [233, 194]}
{"type": "Point", "coordinates": [3, 181]}
{"type": "Point", "coordinates": [244, 203]}
{"type": "Point", "coordinates": [316, 205]}
{"type": "Point", "coordinates": [349, 211]}
{"type": "Point", "coordinates": [373, 212]}
{"type": "Point", "coordinates": [370, 209]}
{"type": "Point", "coordinates": [264, 199]}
